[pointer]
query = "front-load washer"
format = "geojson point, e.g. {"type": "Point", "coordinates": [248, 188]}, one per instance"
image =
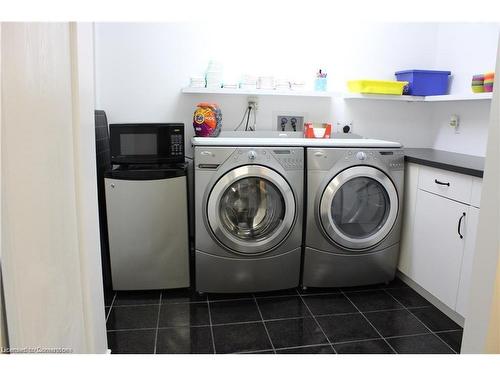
{"type": "Point", "coordinates": [248, 218]}
{"type": "Point", "coordinates": [353, 220]}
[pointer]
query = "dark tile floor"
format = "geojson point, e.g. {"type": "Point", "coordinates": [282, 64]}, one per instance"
{"type": "Point", "coordinates": [374, 319]}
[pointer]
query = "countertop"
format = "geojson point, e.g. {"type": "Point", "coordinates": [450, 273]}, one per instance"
{"type": "Point", "coordinates": [451, 161]}
{"type": "Point", "coordinates": [293, 142]}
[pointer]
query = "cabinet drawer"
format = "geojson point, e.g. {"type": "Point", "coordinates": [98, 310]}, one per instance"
{"type": "Point", "coordinates": [447, 184]}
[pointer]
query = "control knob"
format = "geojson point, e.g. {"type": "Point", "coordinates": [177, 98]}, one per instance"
{"type": "Point", "coordinates": [361, 155]}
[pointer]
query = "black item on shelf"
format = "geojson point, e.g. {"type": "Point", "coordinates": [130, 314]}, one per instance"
{"type": "Point", "coordinates": [147, 143]}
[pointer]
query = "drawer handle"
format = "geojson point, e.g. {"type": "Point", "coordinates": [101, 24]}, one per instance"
{"type": "Point", "coordinates": [460, 224]}
{"type": "Point", "coordinates": [441, 183]}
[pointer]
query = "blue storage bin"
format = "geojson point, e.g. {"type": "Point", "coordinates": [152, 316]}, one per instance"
{"type": "Point", "coordinates": [425, 82]}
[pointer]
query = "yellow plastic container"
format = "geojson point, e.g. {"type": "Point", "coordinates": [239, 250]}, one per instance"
{"type": "Point", "coordinates": [364, 86]}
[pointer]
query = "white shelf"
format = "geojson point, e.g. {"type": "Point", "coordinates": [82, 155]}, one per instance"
{"type": "Point", "coordinates": [223, 91]}
{"type": "Point", "coordinates": [459, 97]}
{"type": "Point", "coordinates": [347, 96]}
{"type": "Point", "coordinates": [402, 98]}
{"type": "Point", "coordinates": [409, 98]}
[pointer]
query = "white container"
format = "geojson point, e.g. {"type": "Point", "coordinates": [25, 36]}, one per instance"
{"type": "Point", "coordinates": [248, 86]}
{"type": "Point", "coordinates": [282, 84]}
{"type": "Point", "coordinates": [297, 86]}
{"type": "Point", "coordinates": [265, 83]}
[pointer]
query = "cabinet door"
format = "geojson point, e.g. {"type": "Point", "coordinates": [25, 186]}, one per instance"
{"type": "Point", "coordinates": [470, 245]}
{"type": "Point", "coordinates": [438, 248]}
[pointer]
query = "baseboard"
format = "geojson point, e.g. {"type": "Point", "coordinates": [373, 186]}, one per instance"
{"type": "Point", "coordinates": [453, 315]}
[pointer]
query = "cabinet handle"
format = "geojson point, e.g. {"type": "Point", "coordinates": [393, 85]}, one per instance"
{"type": "Point", "coordinates": [441, 183]}
{"type": "Point", "coordinates": [460, 224]}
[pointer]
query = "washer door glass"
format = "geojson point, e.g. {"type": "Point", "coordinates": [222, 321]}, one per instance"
{"type": "Point", "coordinates": [252, 209]}
{"type": "Point", "coordinates": [359, 207]}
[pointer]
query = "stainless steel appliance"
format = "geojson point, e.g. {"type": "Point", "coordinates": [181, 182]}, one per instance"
{"type": "Point", "coordinates": [353, 224]}
{"type": "Point", "coordinates": [146, 143]}
{"type": "Point", "coordinates": [147, 215]}
{"type": "Point", "coordinates": [248, 215]}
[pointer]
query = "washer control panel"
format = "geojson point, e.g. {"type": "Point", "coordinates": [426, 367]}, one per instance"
{"type": "Point", "coordinates": [288, 158]}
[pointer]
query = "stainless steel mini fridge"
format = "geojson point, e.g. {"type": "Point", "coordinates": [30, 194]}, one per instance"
{"type": "Point", "coordinates": [147, 213]}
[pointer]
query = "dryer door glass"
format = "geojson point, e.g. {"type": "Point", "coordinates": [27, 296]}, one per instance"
{"type": "Point", "coordinates": [252, 209]}
{"type": "Point", "coordinates": [360, 207]}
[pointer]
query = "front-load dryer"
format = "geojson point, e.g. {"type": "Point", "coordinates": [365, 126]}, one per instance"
{"type": "Point", "coordinates": [353, 220]}
{"type": "Point", "coordinates": [248, 217]}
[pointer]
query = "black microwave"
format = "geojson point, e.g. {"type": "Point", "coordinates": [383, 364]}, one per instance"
{"type": "Point", "coordinates": [146, 143]}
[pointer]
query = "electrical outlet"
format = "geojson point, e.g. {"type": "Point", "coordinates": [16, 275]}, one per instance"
{"type": "Point", "coordinates": [253, 101]}
{"type": "Point", "coordinates": [290, 123]}
{"type": "Point", "coordinates": [454, 123]}
{"type": "Point", "coordinates": [344, 127]}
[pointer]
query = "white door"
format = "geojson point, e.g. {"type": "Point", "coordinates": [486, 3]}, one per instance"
{"type": "Point", "coordinates": [439, 238]}
{"type": "Point", "coordinates": [470, 244]}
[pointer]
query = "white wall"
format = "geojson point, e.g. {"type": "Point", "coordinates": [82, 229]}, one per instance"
{"type": "Point", "coordinates": [141, 68]}
{"type": "Point", "coordinates": [3, 325]}
{"type": "Point", "coordinates": [465, 49]}
{"type": "Point", "coordinates": [47, 241]}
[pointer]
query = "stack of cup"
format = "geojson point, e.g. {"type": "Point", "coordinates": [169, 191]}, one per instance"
{"type": "Point", "coordinates": [488, 81]}
{"type": "Point", "coordinates": [478, 83]}
{"type": "Point", "coordinates": [213, 75]}
{"type": "Point", "coordinates": [265, 83]}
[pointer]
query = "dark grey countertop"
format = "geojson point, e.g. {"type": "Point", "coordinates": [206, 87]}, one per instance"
{"type": "Point", "coordinates": [451, 161]}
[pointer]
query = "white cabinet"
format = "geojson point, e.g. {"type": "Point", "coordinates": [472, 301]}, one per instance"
{"type": "Point", "coordinates": [438, 245]}
{"type": "Point", "coordinates": [439, 232]}
{"type": "Point", "coordinates": [468, 257]}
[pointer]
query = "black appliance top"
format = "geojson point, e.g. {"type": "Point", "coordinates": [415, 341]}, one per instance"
{"type": "Point", "coordinates": [147, 171]}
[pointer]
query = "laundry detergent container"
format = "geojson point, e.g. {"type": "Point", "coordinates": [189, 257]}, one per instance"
{"type": "Point", "coordinates": [425, 82]}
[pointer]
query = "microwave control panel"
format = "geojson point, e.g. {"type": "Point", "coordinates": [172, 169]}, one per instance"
{"type": "Point", "coordinates": [176, 144]}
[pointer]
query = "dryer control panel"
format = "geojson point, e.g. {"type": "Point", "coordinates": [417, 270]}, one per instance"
{"type": "Point", "coordinates": [393, 159]}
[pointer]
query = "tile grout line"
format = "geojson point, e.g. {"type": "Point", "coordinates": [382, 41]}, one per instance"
{"type": "Point", "coordinates": [370, 323]}
{"type": "Point", "coordinates": [157, 323]}
{"type": "Point", "coordinates": [263, 322]}
{"type": "Point", "coordinates": [211, 325]}
{"type": "Point", "coordinates": [134, 329]}
{"type": "Point", "coordinates": [425, 325]}
{"type": "Point", "coordinates": [449, 330]}
{"type": "Point", "coordinates": [111, 306]}
{"type": "Point", "coordinates": [285, 348]}
{"type": "Point", "coordinates": [388, 291]}
{"type": "Point", "coordinates": [229, 299]}
{"type": "Point", "coordinates": [319, 325]}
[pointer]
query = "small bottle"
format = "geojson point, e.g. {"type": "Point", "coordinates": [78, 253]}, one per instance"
{"type": "Point", "coordinates": [321, 82]}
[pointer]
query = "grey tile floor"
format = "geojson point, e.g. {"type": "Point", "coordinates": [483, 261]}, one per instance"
{"type": "Point", "coordinates": [371, 319]}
